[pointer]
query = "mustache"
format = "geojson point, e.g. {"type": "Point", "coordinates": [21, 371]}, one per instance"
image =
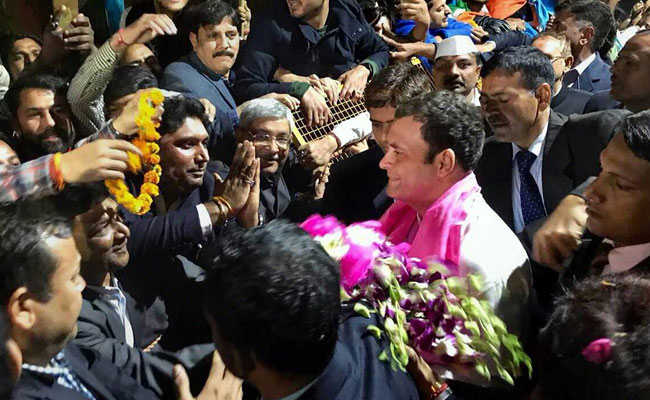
{"type": "Point", "coordinates": [453, 81]}
{"type": "Point", "coordinates": [222, 53]}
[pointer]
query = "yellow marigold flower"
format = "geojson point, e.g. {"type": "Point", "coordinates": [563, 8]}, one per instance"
{"type": "Point", "coordinates": [150, 189]}
{"type": "Point", "coordinates": [134, 162]}
{"type": "Point", "coordinates": [152, 159]}
{"type": "Point", "coordinates": [151, 177]}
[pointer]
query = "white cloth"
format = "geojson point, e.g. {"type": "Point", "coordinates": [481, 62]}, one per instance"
{"type": "Point", "coordinates": [622, 259]}
{"type": "Point", "coordinates": [476, 97]}
{"type": "Point", "coordinates": [204, 219]}
{"type": "Point", "coordinates": [491, 250]}
{"type": "Point", "coordinates": [353, 130]}
{"type": "Point", "coordinates": [580, 68]}
{"type": "Point", "coordinates": [114, 297]}
{"type": "Point", "coordinates": [4, 81]}
{"type": "Point", "coordinates": [535, 170]}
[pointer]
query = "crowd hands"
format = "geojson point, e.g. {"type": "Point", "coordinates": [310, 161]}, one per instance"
{"type": "Point", "coordinates": [232, 159]}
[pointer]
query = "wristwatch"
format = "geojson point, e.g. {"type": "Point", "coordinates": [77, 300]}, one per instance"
{"type": "Point", "coordinates": [116, 134]}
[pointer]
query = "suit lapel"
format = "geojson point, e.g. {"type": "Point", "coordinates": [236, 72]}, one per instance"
{"type": "Point", "coordinates": [554, 182]}
{"type": "Point", "coordinates": [114, 323]}
{"type": "Point", "coordinates": [81, 368]}
{"type": "Point", "coordinates": [584, 81]}
{"type": "Point", "coordinates": [135, 317]}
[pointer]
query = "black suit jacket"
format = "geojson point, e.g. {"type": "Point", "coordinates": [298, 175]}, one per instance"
{"type": "Point", "coordinates": [570, 101]}
{"type": "Point", "coordinates": [579, 267]}
{"type": "Point", "coordinates": [100, 329]}
{"type": "Point", "coordinates": [571, 155]}
{"type": "Point", "coordinates": [356, 190]}
{"type": "Point", "coordinates": [355, 371]}
{"type": "Point", "coordinates": [602, 101]}
{"type": "Point", "coordinates": [104, 379]}
{"type": "Point", "coordinates": [596, 77]}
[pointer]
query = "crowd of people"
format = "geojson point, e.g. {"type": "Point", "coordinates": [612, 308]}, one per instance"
{"type": "Point", "coordinates": [510, 138]}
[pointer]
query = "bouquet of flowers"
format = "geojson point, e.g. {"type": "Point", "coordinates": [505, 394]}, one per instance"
{"type": "Point", "coordinates": [424, 305]}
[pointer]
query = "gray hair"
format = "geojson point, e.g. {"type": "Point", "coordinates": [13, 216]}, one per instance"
{"type": "Point", "coordinates": [264, 108]}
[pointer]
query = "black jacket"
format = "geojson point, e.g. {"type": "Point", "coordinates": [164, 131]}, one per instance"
{"type": "Point", "coordinates": [100, 376]}
{"type": "Point", "coordinates": [278, 39]}
{"type": "Point", "coordinates": [570, 101]}
{"type": "Point", "coordinates": [571, 155]}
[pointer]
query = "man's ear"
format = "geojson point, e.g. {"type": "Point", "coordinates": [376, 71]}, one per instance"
{"type": "Point", "coordinates": [20, 309]}
{"type": "Point", "coordinates": [568, 64]}
{"type": "Point", "coordinates": [445, 162]}
{"type": "Point", "coordinates": [544, 95]}
{"type": "Point", "coordinates": [194, 39]}
{"type": "Point", "coordinates": [587, 35]}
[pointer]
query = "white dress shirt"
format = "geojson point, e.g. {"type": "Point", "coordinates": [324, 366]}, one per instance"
{"type": "Point", "coordinates": [113, 296]}
{"type": "Point", "coordinates": [622, 259]}
{"type": "Point", "coordinates": [535, 170]}
{"type": "Point", "coordinates": [491, 250]}
{"type": "Point", "coordinates": [580, 68]}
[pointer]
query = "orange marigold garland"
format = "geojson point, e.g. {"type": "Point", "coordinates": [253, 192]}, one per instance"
{"type": "Point", "coordinates": [146, 142]}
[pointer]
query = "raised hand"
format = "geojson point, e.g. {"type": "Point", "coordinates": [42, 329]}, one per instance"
{"type": "Point", "coordinates": [249, 215]}
{"type": "Point", "coordinates": [125, 122]}
{"type": "Point", "coordinates": [96, 161]}
{"type": "Point", "coordinates": [315, 108]}
{"type": "Point", "coordinates": [79, 36]}
{"type": "Point", "coordinates": [238, 184]}
{"type": "Point", "coordinates": [143, 30]}
{"type": "Point", "coordinates": [354, 82]}
{"type": "Point", "coordinates": [317, 153]}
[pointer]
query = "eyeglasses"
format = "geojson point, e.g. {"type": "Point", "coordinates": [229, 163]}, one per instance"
{"type": "Point", "coordinates": [264, 139]}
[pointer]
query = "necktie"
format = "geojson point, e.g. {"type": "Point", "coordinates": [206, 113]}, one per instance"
{"type": "Point", "coordinates": [571, 77]}
{"type": "Point", "coordinates": [601, 258]}
{"type": "Point", "coordinates": [532, 205]}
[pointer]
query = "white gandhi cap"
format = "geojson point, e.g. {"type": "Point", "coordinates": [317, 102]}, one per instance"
{"type": "Point", "coordinates": [455, 46]}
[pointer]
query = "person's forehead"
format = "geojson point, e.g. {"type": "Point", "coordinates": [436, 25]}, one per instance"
{"type": "Point", "coordinates": [226, 24]}
{"type": "Point", "coordinates": [6, 150]}
{"type": "Point", "coordinates": [271, 125]}
{"type": "Point", "coordinates": [548, 45]}
{"type": "Point", "coordinates": [405, 132]}
{"type": "Point", "coordinates": [620, 160]}
{"type": "Point", "coordinates": [66, 253]}
{"type": "Point", "coordinates": [455, 59]}
{"type": "Point", "coordinates": [42, 97]}
{"type": "Point", "coordinates": [192, 128]}
{"type": "Point", "coordinates": [26, 44]}
{"type": "Point", "coordinates": [138, 51]}
{"type": "Point", "coordinates": [638, 45]}
{"type": "Point", "coordinates": [382, 114]}
{"type": "Point", "coordinates": [500, 81]}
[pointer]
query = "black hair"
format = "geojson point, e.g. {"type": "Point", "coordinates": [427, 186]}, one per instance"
{"type": "Point", "coordinates": [6, 381]}
{"type": "Point", "coordinates": [7, 43]}
{"type": "Point", "coordinates": [396, 84]}
{"type": "Point", "coordinates": [25, 259]}
{"type": "Point", "coordinates": [611, 307]}
{"type": "Point", "coordinates": [275, 292]}
{"type": "Point", "coordinates": [177, 110]}
{"type": "Point", "coordinates": [210, 12]}
{"type": "Point", "coordinates": [636, 132]}
{"type": "Point", "coordinates": [597, 14]}
{"type": "Point", "coordinates": [33, 81]}
{"type": "Point", "coordinates": [449, 122]}
{"type": "Point", "coordinates": [127, 80]}
{"type": "Point", "coordinates": [533, 65]}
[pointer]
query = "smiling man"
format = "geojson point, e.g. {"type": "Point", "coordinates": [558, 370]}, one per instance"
{"type": "Point", "coordinates": [617, 204]}
{"type": "Point", "coordinates": [434, 144]}
{"type": "Point", "coordinates": [205, 72]}
{"type": "Point", "coordinates": [41, 116]}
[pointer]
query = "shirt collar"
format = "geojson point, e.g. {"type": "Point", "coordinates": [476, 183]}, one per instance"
{"type": "Point", "coordinates": [536, 147]}
{"type": "Point", "coordinates": [624, 258]}
{"type": "Point", "coordinates": [55, 368]}
{"type": "Point", "coordinates": [194, 58]}
{"type": "Point", "coordinates": [585, 64]}
{"type": "Point", "coordinates": [112, 287]}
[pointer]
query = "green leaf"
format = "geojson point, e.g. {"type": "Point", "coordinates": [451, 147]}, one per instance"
{"type": "Point", "coordinates": [375, 330]}
{"type": "Point", "coordinates": [362, 310]}
{"type": "Point", "coordinates": [505, 375]}
{"type": "Point", "coordinates": [383, 356]}
{"type": "Point", "coordinates": [472, 326]}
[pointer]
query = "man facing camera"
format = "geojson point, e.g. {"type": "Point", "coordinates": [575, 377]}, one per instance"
{"type": "Point", "coordinates": [434, 144]}
{"type": "Point", "coordinates": [272, 300]}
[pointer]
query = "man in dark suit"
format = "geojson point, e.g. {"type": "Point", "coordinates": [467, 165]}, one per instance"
{"type": "Point", "coordinates": [356, 190]}
{"type": "Point", "coordinates": [516, 93]}
{"type": "Point", "coordinates": [111, 322]}
{"type": "Point", "coordinates": [205, 72]}
{"type": "Point", "coordinates": [617, 206]}
{"type": "Point", "coordinates": [566, 100]}
{"type": "Point", "coordinates": [586, 24]}
{"type": "Point", "coordinates": [43, 299]}
{"type": "Point", "coordinates": [286, 345]}
{"type": "Point", "coordinates": [630, 78]}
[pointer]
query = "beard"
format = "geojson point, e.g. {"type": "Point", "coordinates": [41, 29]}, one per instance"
{"type": "Point", "coordinates": [53, 140]}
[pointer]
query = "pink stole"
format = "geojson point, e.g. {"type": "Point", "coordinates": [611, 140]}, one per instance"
{"type": "Point", "coordinates": [439, 233]}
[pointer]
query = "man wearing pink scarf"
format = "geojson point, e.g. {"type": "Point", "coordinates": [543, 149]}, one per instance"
{"type": "Point", "coordinates": [433, 146]}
